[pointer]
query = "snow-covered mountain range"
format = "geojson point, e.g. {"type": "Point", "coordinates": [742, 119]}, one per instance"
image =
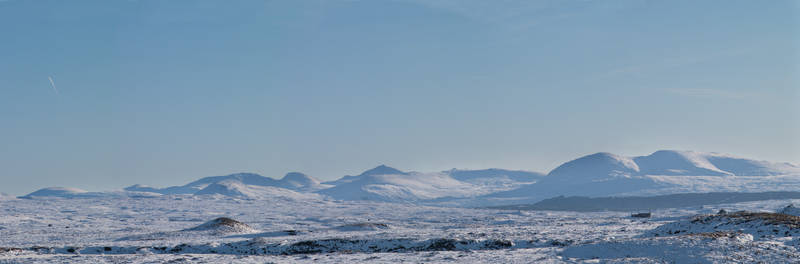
{"type": "Point", "coordinates": [663, 172]}
{"type": "Point", "coordinates": [599, 174]}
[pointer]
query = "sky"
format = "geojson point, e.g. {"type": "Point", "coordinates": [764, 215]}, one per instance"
{"type": "Point", "coordinates": [104, 94]}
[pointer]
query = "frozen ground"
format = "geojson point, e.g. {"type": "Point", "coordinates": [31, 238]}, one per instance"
{"type": "Point", "coordinates": [175, 229]}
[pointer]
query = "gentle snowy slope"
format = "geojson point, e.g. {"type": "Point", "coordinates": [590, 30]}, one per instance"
{"type": "Point", "coordinates": [301, 182]}
{"type": "Point", "coordinates": [64, 192]}
{"type": "Point", "coordinates": [400, 187]}
{"type": "Point", "coordinates": [234, 184]}
{"type": "Point", "coordinates": [233, 188]}
{"type": "Point", "coordinates": [385, 183]}
{"type": "Point", "coordinates": [603, 165]}
{"type": "Point", "coordinates": [221, 229]}
{"type": "Point", "coordinates": [380, 170]}
{"type": "Point", "coordinates": [670, 162]}
{"type": "Point", "coordinates": [494, 176]}
{"type": "Point", "coordinates": [663, 172]}
{"type": "Point", "coordinates": [595, 167]}
{"type": "Point", "coordinates": [598, 174]}
{"type": "Point", "coordinates": [595, 175]}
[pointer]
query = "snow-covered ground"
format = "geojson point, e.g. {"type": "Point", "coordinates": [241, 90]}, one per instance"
{"type": "Point", "coordinates": [388, 215]}
{"type": "Point", "coordinates": [316, 229]}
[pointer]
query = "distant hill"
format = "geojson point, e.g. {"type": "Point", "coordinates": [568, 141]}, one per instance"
{"type": "Point", "coordinates": [664, 171]}
{"type": "Point", "coordinates": [293, 181]}
{"type": "Point", "coordinates": [475, 176]}
{"type": "Point", "coordinates": [62, 192]}
{"type": "Point", "coordinates": [375, 184]}
{"type": "Point", "coordinates": [380, 170]}
{"type": "Point", "coordinates": [385, 183]}
{"type": "Point", "coordinates": [597, 175]}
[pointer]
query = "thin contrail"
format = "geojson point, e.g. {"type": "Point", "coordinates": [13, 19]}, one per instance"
{"type": "Point", "coordinates": [52, 83]}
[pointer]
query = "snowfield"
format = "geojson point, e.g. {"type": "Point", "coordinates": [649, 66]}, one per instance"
{"type": "Point", "coordinates": [388, 215]}
{"type": "Point", "coordinates": [310, 229]}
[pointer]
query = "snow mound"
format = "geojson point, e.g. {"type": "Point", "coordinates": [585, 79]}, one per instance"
{"type": "Point", "coordinates": [233, 188]}
{"type": "Point", "coordinates": [64, 192]}
{"type": "Point", "coordinates": [199, 185]}
{"type": "Point", "coordinates": [671, 162]}
{"type": "Point", "coordinates": [700, 248]}
{"type": "Point", "coordinates": [244, 178]}
{"type": "Point", "coordinates": [142, 188]}
{"type": "Point", "coordinates": [740, 237]}
{"type": "Point", "coordinates": [666, 163]}
{"type": "Point", "coordinates": [494, 175]}
{"type": "Point", "coordinates": [408, 187]}
{"type": "Point", "coordinates": [593, 167]}
{"type": "Point", "coordinates": [758, 224]}
{"type": "Point", "coordinates": [227, 188]}
{"type": "Point", "coordinates": [300, 182]}
{"type": "Point", "coordinates": [224, 225]}
{"type": "Point", "coordinates": [599, 174]}
{"type": "Point", "coordinates": [380, 170]}
{"type": "Point", "coordinates": [748, 167]}
{"type": "Point", "coordinates": [662, 172]}
{"type": "Point", "coordinates": [383, 170]}
{"type": "Point", "coordinates": [238, 184]}
{"type": "Point", "coordinates": [790, 210]}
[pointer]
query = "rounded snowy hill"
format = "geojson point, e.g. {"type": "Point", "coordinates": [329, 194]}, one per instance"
{"type": "Point", "coordinates": [379, 170]}
{"type": "Point", "coordinates": [244, 178]}
{"type": "Point", "coordinates": [593, 167]}
{"type": "Point", "coordinates": [668, 163]}
{"type": "Point", "coordinates": [233, 188]}
{"type": "Point", "coordinates": [494, 174]}
{"type": "Point", "coordinates": [65, 192]}
{"type": "Point", "coordinates": [300, 181]}
{"type": "Point", "coordinates": [374, 185]}
{"type": "Point", "coordinates": [662, 172]}
{"type": "Point", "coordinates": [293, 181]}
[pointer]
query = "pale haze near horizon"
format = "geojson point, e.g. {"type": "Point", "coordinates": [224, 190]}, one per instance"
{"type": "Point", "coordinates": [99, 95]}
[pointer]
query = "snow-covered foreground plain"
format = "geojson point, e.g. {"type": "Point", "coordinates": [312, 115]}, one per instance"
{"type": "Point", "coordinates": [175, 228]}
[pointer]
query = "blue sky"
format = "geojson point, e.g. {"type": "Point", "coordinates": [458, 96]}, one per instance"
{"type": "Point", "coordinates": [163, 92]}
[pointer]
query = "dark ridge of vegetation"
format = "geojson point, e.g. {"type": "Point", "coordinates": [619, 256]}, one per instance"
{"type": "Point", "coordinates": [634, 203]}
{"type": "Point", "coordinates": [258, 247]}
{"type": "Point", "coordinates": [789, 221]}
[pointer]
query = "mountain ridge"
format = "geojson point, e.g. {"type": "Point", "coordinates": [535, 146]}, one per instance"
{"type": "Point", "coordinates": [593, 175]}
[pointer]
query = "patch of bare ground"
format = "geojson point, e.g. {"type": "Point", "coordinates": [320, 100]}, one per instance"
{"type": "Point", "coordinates": [5, 250]}
{"type": "Point", "coordinates": [789, 221]}
{"type": "Point", "coordinates": [223, 225]}
{"type": "Point", "coordinates": [715, 235]}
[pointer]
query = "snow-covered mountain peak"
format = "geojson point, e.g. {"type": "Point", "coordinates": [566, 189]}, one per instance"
{"type": "Point", "coordinates": [243, 177]}
{"type": "Point", "coordinates": [299, 178]}
{"type": "Point", "coordinates": [227, 188]}
{"type": "Point", "coordinates": [383, 170]}
{"type": "Point", "coordinates": [300, 182]}
{"type": "Point", "coordinates": [668, 163]}
{"type": "Point", "coordinates": [598, 174]}
{"type": "Point", "coordinates": [598, 165]}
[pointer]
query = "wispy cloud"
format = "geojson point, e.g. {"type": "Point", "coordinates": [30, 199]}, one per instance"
{"type": "Point", "coordinates": [52, 84]}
